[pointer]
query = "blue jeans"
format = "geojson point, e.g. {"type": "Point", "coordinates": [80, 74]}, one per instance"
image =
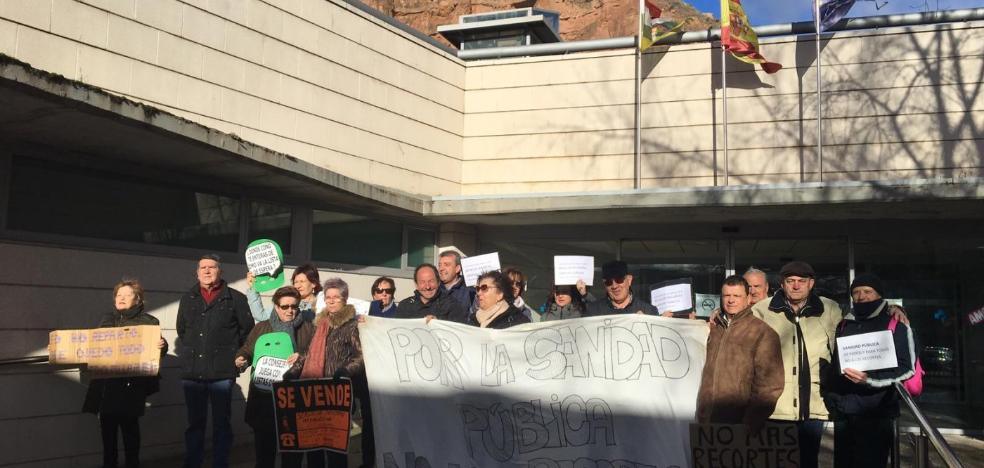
{"type": "Point", "coordinates": [198, 395]}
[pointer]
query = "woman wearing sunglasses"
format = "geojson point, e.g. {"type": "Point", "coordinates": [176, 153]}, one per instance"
{"type": "Point", "coordinates": [305, 280]}
{"type": "Point", "coordinates": [259, 403]}
{"type": "Point", "coordinates": [494, 295]}
{"type": "Point", "coordinates": [383, 303]}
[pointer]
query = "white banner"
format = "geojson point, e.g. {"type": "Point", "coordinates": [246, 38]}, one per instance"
{"type": "Point", "coordinates": [615, 391]}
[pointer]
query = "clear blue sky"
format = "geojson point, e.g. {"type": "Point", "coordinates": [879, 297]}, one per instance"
{"type": "Point", "coordinates": [784, 11]}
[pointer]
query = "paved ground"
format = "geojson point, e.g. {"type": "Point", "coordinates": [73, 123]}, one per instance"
{"type": "Point", "coordinates": [969, 450]}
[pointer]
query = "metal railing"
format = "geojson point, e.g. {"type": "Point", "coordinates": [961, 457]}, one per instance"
{"type": "Point", "coordinates": [24, 360]}
{"type": "Point", "coordinates": [927, 435]}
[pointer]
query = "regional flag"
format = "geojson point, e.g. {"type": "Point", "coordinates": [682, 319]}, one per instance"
{"type": "Point", "coordinates": [650, 25]}
{"type": "Point", "coordinates": [738, 37]}
{"type": "Point", "coordinates": [831, 11]}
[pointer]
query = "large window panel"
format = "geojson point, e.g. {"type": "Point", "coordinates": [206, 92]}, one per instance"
{"type": "Point", "coordinates": [50, 199]}
{"type": "Point", "coordinates": [828, 257]}
{"type": "Point", "coordinates": [420, 247]}
{"type": "Point", "coordinates": [356, 240]}
{"type": "Point", "coordinates": [654, 261]}
{"type": "Point", "coordinates": [270, 221]}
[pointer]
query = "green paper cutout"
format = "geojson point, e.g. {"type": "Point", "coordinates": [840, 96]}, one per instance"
{"type": "Point", "coordinates": [274, 344]}
{"type": "Point", "coordinates": [267, 269]}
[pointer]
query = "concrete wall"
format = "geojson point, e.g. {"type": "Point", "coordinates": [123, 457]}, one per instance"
{"type": "Point", "coordinates": [56, 288]}
{"type": "Point", "coordinates": [317, 79]}
{"type": "Point", "coordinates": [898, 103]}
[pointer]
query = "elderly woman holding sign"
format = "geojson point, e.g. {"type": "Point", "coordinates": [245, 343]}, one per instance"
{"type": "Point", "coordinates": [305, 280]}
{"type": "Point", "coordinates": [120, 402]}
{"type": "Point", "coordinates": [335, 352]}
{"type": "Point", "coordinates": [272, 346]}
{"type": "Point", "coordinates": [496, 308]}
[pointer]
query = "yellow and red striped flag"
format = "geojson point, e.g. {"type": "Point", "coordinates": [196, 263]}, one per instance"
{"type": "Point", "coordinates": [738, 37]}
{"type": "Point", "coordinates": [650, 25]}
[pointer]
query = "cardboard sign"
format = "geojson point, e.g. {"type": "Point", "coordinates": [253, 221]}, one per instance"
{"type": "Point", "coordinates": [269, 370]}
{"type": "Point", "coordinates": [867, 351]}
{"type": "Point", "coordinates": [109, 352]}
{"type": "Point", "coordinates": [717, 445]}
{"type": "Point", "coordinates": [265, 260]}
{"type": "Point", "coordinates": [313, 414]}
{"type": "Point", "coordinates": [570, 268]}
{"type": "Point", "coordinates": [473, 267]}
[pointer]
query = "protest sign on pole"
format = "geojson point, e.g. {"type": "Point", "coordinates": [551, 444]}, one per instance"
{"type": "Point", "coordinates": [568, 269]}
{"type": "Point", "coordinates": [600, 391]}
{"type": "Point", "coordinates": [473, 267]}
{"type": "Point", "coordinates": [109, 352]}
{"type": "Point", "coordinates": [313, 414]}
{"type": "Point", "coordinates": [266, 261]}
{"type": "Point", "coordinates": [717, 445]}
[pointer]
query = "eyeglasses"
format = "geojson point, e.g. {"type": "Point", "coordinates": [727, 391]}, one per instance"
{"type": "Point", "coordinates": [562, 292]}
{"type": "Point", "coordinates": [484, 287]}
{"type": "Point", "coordinates": [389, 291]}
{"type": "Point", "coordinates": [288, 306]}
{"type": "Point", "coordinates": [518, 284]}
{"type": "Point", "coordinates": [619, 280]}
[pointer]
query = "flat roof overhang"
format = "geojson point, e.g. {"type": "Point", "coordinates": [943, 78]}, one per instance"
{"type": "Point", "coordinates": [49, 112]}
{"type": "Point", "coordinates": [456, 33]}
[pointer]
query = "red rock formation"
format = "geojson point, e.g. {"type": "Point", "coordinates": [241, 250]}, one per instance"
{"type": "Point", "coordinates": [579, 19]}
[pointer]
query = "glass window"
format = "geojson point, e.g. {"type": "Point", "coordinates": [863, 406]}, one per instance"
{"type": "Point", "coordinates": [269, 221]}
{"type": "Point", "coordinates": [356, 240]}
{"type": "Point", "coordinates": [58, 200]}
{"type": "Point", "coordinates": [937, 281]}
{"type": "Point", "coordinates": [828, 257]}
{"type": "Point", "coordinates": [420, 247]}
{"type": "Point", "coordinates": [654, 261]}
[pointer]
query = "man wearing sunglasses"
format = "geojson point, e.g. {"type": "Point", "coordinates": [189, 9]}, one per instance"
{"type": "Point", "coordinates": [618, 294]}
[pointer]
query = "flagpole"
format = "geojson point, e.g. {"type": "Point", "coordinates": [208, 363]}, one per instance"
{"type": "Point", "coordinates": [724, 106]}
{"type": "Point", "coordinates": [637, 179]}
{"type": "Point", "coordinates": [816, 16]}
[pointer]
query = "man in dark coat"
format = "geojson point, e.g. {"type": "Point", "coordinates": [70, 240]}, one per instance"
{"type": "Point", "coordinates": [452, 283]}
{"type": "Point", "coordinates": [618, 294]}
{"type": "Point", "coordinates": [213, 323]}
{"type": "Point", "coordinates": [743, 374]}
{"type": "Point", "coordinates": [430, 299]}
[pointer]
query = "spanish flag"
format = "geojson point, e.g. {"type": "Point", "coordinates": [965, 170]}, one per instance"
{"type": "Point", "coordinates": [738, 37]}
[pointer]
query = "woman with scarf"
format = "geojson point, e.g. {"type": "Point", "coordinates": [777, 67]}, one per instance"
{"type": "Point", "coordinates": [864, 405]}
{"type": "Point", "coordinates": [120, 402]}
{"type": "Point", "coordinates": [564, 303]}
{"type": "Point", "coordinates": [286, 318]}
{"type": "Point", "coordinates": [335, 352]}
{"type": "Point", "coordinates": [494, 299]}
{"type": "Point", "coordinates": [305, 280]}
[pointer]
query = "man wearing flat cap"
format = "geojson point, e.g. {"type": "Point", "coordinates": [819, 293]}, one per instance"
{"type": "Point", "coordinates": [805, 323]}
{"type": "Point", "coordinates": [618, 294]}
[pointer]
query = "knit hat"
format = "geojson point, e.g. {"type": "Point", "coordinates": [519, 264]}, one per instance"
{"type": "Point", "coordinates": [869, 280]}
{"type": "Point", "coordinates": [797, 268]}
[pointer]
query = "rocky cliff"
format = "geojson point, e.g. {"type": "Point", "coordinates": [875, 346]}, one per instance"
{"type": "Point", "coordinates": [579, 19]}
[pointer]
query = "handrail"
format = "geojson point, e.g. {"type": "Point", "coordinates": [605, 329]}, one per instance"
{"type": "Point", "coordinates": [942, 448]}
{"type": "Point", "coordinates": [24, 360]}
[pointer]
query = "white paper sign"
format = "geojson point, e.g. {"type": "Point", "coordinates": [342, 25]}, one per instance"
{"type": "Point", "coordinates": [472, 267]}
{"type": "Point", "coordinates": [269, 370]}
{"type": "Point", "coordinates": [570, 268]}
{"type": "Point", "coordinates": [262, 259]}
{"type": "Point", "coordinates": [867, 351]}
{"type": "Point", "coordinates": [706, 303]}
{"type": "Point", "coordinates": [672, 296]}
{"type": "Point", "coordinates": [541, 395]}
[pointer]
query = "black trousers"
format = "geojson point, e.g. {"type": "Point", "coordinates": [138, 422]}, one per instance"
{"type": "Point", "coordinates": [863, 441]}
{"type": "Point", "coordinates": [110, 424]}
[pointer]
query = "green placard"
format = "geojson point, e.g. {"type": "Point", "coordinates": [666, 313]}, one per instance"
{"type": "Point", "coordinates": [265, 259]}
{"type": "Point", "coordinates": [275, 344]}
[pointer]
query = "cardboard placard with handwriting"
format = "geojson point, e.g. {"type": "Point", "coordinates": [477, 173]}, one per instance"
{"type": "Point", "coordinates": [109, 352]}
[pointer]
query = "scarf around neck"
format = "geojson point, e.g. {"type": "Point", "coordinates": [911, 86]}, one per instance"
{"type": "Point", "coordinates": [867, 310]}
{"type": "Point", "coordinates": [314, 365]}
{"type": "Point", "coordinates": [287, 327]}
{"type": "Point", "coordinates": [486, 316]}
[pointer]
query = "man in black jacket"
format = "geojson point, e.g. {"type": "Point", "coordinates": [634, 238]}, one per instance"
{"type": "Point", "coordinates": [430, 300]}
{"type": "Point", "coordinates": [618, 294]}
{"type": "Point", "coordinates": [213, 322]}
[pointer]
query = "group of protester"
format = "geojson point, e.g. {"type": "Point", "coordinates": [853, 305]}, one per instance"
{"type": "Point", "coordinates": [767, 358]}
